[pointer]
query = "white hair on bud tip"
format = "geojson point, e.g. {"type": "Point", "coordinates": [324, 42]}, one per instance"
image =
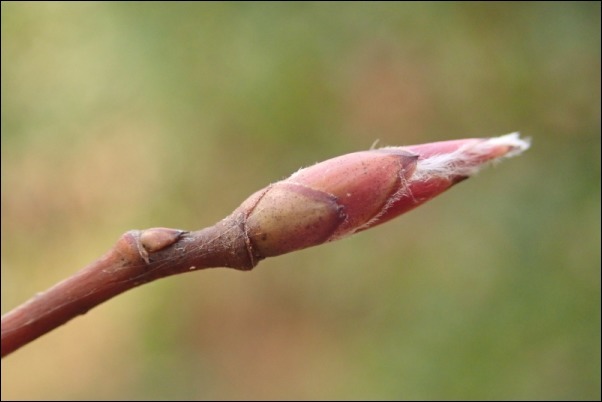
{"type": "Point", "coordinates": [517, 145]}
{"type": "Point", "coordinates": [468, 159]}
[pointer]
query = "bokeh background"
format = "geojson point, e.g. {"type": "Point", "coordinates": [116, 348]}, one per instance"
{"type": "Point", "coordinates": [133, 115]}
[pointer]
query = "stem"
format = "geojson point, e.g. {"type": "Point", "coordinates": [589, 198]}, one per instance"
{"type": "Point", "coordinates": [138, 257]}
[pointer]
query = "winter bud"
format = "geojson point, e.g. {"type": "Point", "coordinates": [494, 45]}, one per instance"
{"type": "Point", "coordinates": [356, 191]}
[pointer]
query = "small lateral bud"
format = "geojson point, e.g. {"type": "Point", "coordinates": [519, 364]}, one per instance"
{"type": "Point", "coordinates": [155, 239]}
{"type": "Point", "coordinates": [356, 191]}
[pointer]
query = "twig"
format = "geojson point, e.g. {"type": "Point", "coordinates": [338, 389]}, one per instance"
{"type": "Point", "coordinates": [322, 203]}
{"type": "Point", "coordinates": [138, 257]}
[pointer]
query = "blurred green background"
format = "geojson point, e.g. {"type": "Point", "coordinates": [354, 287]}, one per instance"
{"type": "Point", "coordinates": [133, 115]}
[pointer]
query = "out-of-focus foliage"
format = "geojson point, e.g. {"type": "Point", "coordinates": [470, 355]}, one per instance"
{"type": "Point", "coordinates": [132, 115]}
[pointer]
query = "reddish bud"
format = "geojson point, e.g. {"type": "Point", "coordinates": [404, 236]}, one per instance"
{"type": "Point", "coordinates": [356, 191]}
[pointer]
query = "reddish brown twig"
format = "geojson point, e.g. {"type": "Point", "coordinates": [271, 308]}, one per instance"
{"type": "Point", "coordinates": [322, 203]}
{"type": "Point", "coordinates": [138, 257]}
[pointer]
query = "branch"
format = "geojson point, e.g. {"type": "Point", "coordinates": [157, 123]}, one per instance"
{"type": "Point", "coordinates": [322, 203]}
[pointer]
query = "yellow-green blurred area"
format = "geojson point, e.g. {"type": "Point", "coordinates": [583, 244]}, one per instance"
{"type": "Point", "coordinates": [133, 115]}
